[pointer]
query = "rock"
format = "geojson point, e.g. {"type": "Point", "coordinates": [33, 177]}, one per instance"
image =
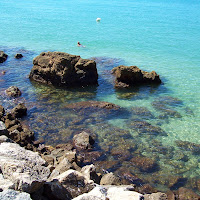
{"type": "Point", "coordinates": [13, 91]}
{"type": "Point", "coordinates": [92, 104]}
{"type": "Point", "coordinates": [4, 138]}
{"type": "Point", "coordinates": [155, 196]}
{"type": "Point", "coordinates": [6, 183]}
{"type": "Point", "coordinates": [188, 146]}
{"type": "Point", "coordinates": [62, 69]}
{"type": "Point", "coordinates": [141, 112]}
{"type": "Point", "coordinates": [111, 193]}
{"type": "Point", "coordinates": [187, 194]}
{"type": "Point", "coordinates": [144, 164]}
{"type": "Point", "coordinates": [63, 166]}
{"type": "Point", "coordinates": [3, 57]}
{"type": "Point", "coordinates": [74, 182]}
{"type": "Point", "coordinates": [23, 167]}
{"type": "Point", "coordinates": [89, 171]}
{"type": "Point", "coordinates": [3, 130]}
{"type": "Point", "coordinates": [110, 179]}
{"type": "Point", "coordinates": [2, 111]}
{"type": "Point", "coordinates": [18, 55]}
{"type": "Point", "coordinates": [55, 191]}
{"type": "Point", "coordinates": [143, 127]}
{"type": "Point", "coordinates": [83, 140]}
{"type": "Point", "coordinates": [19, 111]}
{"type": "Point", "coordinates": [14, 195]}
{"type": "Point", "coordinates": [130, 76]}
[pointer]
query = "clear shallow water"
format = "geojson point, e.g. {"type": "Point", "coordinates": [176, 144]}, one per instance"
{"type": "Point", "coordinates": [154, 35]}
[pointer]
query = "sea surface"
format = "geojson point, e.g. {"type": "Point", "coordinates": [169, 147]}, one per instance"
{"type": "Point", "coordinates": [154, 35]}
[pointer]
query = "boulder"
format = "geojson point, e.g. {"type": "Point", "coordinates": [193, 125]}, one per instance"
{"type": "Point", "coordinates": [111, 193]}
{"type": "Point", "coordinates": [3, 130]}
{"type": "Point", "coordinates": [155, 196]}
{"type": "Point", "coordinates": [89, 171]}
{"type": "Point", "coordinates": [63, 69]}
{"type": "Point", "coordinates": [19, 111]}
{"type": "Point", "coordinates": [13, 91]}
{"type": "Point", "coordinates": [83, 140]}
{"type": "Point", "coordinates": [187, 194]}
{"type": "Point", "coordinates": [110, 179]}
{"type": "Point", "coordinates": [74, 182]}
{"type": "Point", "coordinates": [6, 183]}
{"type": "Point", "coordinates": [26, 169]}
{"type": "Point", "coordinates": [4, 138]}
{"type": "Point", "coordinates": [3, 57]}
{"type": "Point", "coordinates": [145, 164]}
{"type": "Point", "coordinates": [18, 55]}
{"type": "Point", "coordinates": [14, 195]}
{"type": "Point", "coordinates": [2, 111]}
{"type": "Point", "coordinates": [129, 76]}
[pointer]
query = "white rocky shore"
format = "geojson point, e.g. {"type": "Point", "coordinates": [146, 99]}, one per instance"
{"type": "Point", "coordinates": [26, 175]}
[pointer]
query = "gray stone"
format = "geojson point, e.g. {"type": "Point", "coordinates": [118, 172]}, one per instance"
{"type": "Point", "coordinates": [14, 195]}
{"type": "Point", "coordinates": [110, 179]}
{"type": "Point", "coordinates": [23, 167]}
{"type": "Point", "coordinates": [74, 182]}
{"type": "Point", "coordinates": [155, 196]}
{"type": "Point", "coordinates": [4, 138]}
{"type": "Point", "coordinates": [6, 183]}
{"type": "Point", "coordinates": [111, 193]}
{"type": "Point", "coordinates": [83, 140]}
{"type": "Point", "coordinates": [3, 130]}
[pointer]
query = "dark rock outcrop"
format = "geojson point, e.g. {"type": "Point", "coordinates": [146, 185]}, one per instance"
{"type": "Point", "coordinates": [18, 55]}
{"type": "Point", "coordinates": [13, 91]}
{"type": "Point", "coordinates": [130, 76]}
{"type": "Point", "coordinates": [3, 57]}
{"type": "Point", "coordinates": [19, 111]}
{"type": "Point", "coordinates": [63, 69]}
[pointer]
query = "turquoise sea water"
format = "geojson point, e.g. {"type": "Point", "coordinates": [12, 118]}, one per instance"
{"type": "Point", "coordinates": [154, 35]}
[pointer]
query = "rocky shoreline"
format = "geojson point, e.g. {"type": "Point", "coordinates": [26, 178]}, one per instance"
{"type": "Point", "coordinates": [62, 172]}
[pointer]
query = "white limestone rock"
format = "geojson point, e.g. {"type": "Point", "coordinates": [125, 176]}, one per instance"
{"type": "Point", "coordinates": [111, 193]}
{"type": "Point", "coordinates": [14, 195]}
{"type": "Point", "coordinates": [22, 167]}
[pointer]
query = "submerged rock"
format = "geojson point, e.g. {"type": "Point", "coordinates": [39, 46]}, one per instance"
{"type": "Point", "coordinates": [130, 76]}
{"type": "Point", "coordinates": [166, 105]}
{"type": "Point", "coordinates": [3, 57]}
{"type": "Point", "coordinates": [13, 91]}
{"type": "Point", "coordinates": [143, 127]}
{"type": "Point", "coordinates": [92, 104]}
{"type": "Point", "coordinates": [141, 112]}
{"type": "Point", "coordinates": [188, 146]}
{"type": "Point", "coordinates": [62, 69]}
{"type": "Point", "coordinates": [187, 194]}
{"type": "Point", "coordinates": [23, 167]}
{"type": "Point", "coordinates": [145, 164]}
